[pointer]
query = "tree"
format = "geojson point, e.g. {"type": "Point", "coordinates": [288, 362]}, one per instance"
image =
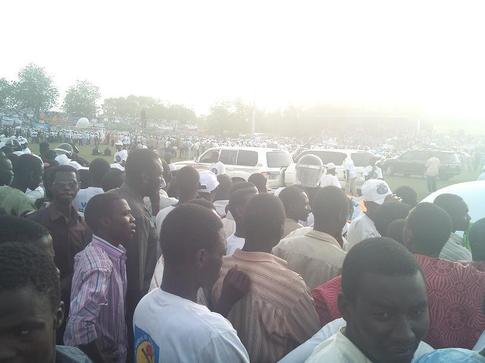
{"type": "Point", "coordinates": [6, 94]}
{"type": "Point", "coordinates": [35, 90]}
{"type": "Point", "coordinates": [80, 100]}
{"type": "Point", "coordinates": [232, 117]}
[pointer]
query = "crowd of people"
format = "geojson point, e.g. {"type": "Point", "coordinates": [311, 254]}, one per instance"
{"type": "Point", "coordinates": [137, 263]}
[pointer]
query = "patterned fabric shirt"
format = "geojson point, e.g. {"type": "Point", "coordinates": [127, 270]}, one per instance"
{"type": "Point", "coordinates": [98, 300]}
{"type": "Point", "coordinates": [14, 202]}
{"type": "Point", "coordinates": [455, 296]}
{"type": "Point", "coordinates": [277, 314]}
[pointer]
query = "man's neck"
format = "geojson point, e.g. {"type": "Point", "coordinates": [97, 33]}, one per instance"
{"type": "Point", "coordinates": [107, 237]}
{"type": "Point", "coordinates": [331, 230]}
{"type": "Point", "coordinates": [178, 284]}
{"type": "Point", "coordinates": [415, 249]}
{"type": "Point", "coordinates": [64, 208]}
{"type": "Point", "coordinates": [184, 198]}
{"type": "Point", "coordinates": [18, 185]}
{"type": "Point", "coordinates": [257, 246]}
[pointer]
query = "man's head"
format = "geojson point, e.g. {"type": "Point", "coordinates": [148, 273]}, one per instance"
{"type": "Point", "coordinates": [30, 304]}
{"type": "Point", "coordinates": [144, 171]}
{"type": "Point", "coordinates": [63, 185]}
{"type": "Point", "coordinates": [374, 193]}
{"type": "Point", "coordinates": [260, 181]}
{"type": "Point", "coordinates": [331, 169]}
{"type": "Point", "coordinates": [113, 179]}
{"type": "Point", "coordinates": [427, 229]}
{"type": "Point", "coordinates": [330, 209]}
{"type": "Point", "coordinates": [6, 170]}
{"type": "Point", "coordinates": [98, 170]}
{"type": "Point", "coordinates": [389, 212]}
{"type": "Point", "coordinates": [456, 208]}
{"type": "Point", "coordinates": [109, 217]}
{"type": "Point", "coordinates": [407, 194]}
{"type": "Point", "coordinates": [26, 231]}
{"type": "Point", "coordinates": [296, 203]}
{"type": "Point", "coordinates": [193, 243]}
{"type": "Point", "coordinates": [187, 183]}
{"type": "Point", "coordinates": [383, 300]}
{"type": "Point", "coordinates": [28, 169]}
{"type": "Point", "coordinates": [208, 184]}
{"type": "Point", "coordinates": [239, 199]}
{"type": "Point", "coordinates": [477, 240]}
{"type": "Point", "coordinates": [263, 222]}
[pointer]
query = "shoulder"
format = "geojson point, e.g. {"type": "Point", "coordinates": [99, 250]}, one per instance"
{"type": "Point", "coordinates": [65, 354]}
{"type": "Point", "coordinates": [93, 258]}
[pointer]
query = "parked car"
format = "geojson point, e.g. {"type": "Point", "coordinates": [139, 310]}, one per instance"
{"type": "Point", "coordinates": [241, 162]}
{"type": "Point", "coordinates": [361, 159]}
{"type": "Point", "coordinates": [413, 162]}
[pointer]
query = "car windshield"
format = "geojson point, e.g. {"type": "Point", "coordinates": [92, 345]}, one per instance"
{"type": "Point", "coordinates": [277, 159]}
{"type": "Point", "coordinates": [361, 158]}
{"type": "Point", "coordinates": [449, 158]}
{"type": "Point", "coordinates": [327, 156]}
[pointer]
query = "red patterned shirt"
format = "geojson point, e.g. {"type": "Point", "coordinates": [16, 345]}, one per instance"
{"type": "Point", "coordinates": [455, 295]}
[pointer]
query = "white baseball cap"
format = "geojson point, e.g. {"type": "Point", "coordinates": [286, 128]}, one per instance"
{"type": "Point", "coordinates": [208, 181]}
{"type": "Point", "coordinates": [375, 190]}
{"type": "Point", "coordinates": [330, 166]}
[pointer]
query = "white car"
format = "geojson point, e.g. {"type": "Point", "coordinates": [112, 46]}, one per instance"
{"type": "Point", "coordinates": [360, 158]}
{"type": "Point", "coordinates": [241, 162]}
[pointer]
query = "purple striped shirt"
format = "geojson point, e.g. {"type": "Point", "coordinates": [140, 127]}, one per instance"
{"type": "Point", "coordinates": [98, 300]}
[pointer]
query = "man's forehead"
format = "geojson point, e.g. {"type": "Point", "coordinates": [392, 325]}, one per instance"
{"type": "Point", "coordinates": [65, 175]}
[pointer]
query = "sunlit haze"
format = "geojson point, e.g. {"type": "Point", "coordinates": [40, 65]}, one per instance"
{"type": "Point", "coordinates": [423, 57]}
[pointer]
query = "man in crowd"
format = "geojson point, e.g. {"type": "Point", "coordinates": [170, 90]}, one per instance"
{"type": "Point", "coordinates": [6, 170]}
{"type": "Point", "coordinates": [477, 242]}
{"type": "Point", "coordinates": [69, 232]}
{"type": "Point", "coordinates": [187, 186]}
{"type": "Point", "coordinates": [432, 172]}
{"type": "Point", "coordinates": [318, 255]}
{"type": "Point", "coordinates": [374, 194]}
{"type": "Point", "coordinates": [143, 178]}
{"type": "Point", "coordinates": [31, 309]}
{"type": "Point", "coordinates": [330, 177]}
{"type": "Point", "coordinates": [96, 321]}
{"type": "Point", "coordinates": [97, 170]}
{"type": "Point", "coordinates": [297, 208]}
{"type": "Point", "coordinates": [27, 175]}
{"type": "Point", "coordinates": [260, 181]}
{"type": "Point", "coordinates": [237, 207]}
{"type": "Point", "coordinates": [384, 303]}
{"type": "Point", "coordinates": [169, 325]}
{"type": "Point", "coordinates": [457, 209]}
{"type": "Point", "coordinates": [278, 312]}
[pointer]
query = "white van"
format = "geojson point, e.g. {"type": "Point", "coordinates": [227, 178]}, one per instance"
{"type": "Point", "coordinates": [360, 158]}
{"type": "Point", "coordinates": [241, 162]}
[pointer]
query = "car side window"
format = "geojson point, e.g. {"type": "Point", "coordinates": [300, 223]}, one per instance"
{"type": "Point", "coordinates": [228, 157]}
{"type": "Point", "coordinates": [210, 156]}
{"type": "Point", "coordinates": [247, 158]}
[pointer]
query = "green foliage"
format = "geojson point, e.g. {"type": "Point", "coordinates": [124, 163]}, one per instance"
{"type": "Point", "coordinates": [6, 94]}
{"type": "Point", "coordinates": [34, 90]}
{"type": "Point", "coordinates": [80, 100]}
{"type": "Point", "coordinates": [230, 117]}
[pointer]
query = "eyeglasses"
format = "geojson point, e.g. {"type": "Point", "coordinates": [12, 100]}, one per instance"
{"type": "Point", "coordinates": [70, 184]}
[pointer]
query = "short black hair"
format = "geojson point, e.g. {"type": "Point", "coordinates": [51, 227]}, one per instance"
{"type": "Point", "coordinates": [407, 194]}
{"type": "Point", "coordinates": [388, 212]}
{"type": "Point", "coordinates": [19, 229]}
{"type": "Point", "coordinates": [99, 206]}
{"type": "Point", "coordinates": [260, 181]}
{"type": "Point", "coordinates": [242, 185]}
{"type": "Point", "coordinates": [112, 180]}
{"type": "Point", "coordinates": [61, 169]}
{"type": "Point", "coordinates": [395, 230]}
{"type": "Point", "coordinates": [451, 204]}
{"type": "Point", "coordinates": [264, 218]}
{"type": "Point", "coordinates": [187, 180]}
{"type": "Point", "coordinates": [26, 265]}
{"type": "Point", "coordinates": [187, 229]}
{"type": "Point", "coordinates": [238, 197]}
{"type": "Point", "coordinates": [98, 169]}
{"type": "Point", "coordinates": [290, 195]}
{"type": "Point", "coordinates": [430, 226]}
{"type": "Point", "coordinates": [328, 203]}
{"type": "Point", "coordinates": [139, 161]}
{"type": "Point", "coordinates": [25, 163]}
{"type": "Point", "coordinates": [382, 256]}
{"type": "Point", "coordinates": [476, 237]}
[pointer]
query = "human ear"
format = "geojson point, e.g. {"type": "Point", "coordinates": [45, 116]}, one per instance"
{"type": "Point", "coordinates": [59, 317]}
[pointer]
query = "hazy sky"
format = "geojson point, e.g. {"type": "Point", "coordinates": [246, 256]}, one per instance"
{"type": "Point", "coordinates": [425, 56]}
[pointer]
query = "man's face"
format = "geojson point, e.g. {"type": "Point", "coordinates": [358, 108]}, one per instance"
{"type": "Point", "coordinates": [65, 187]}
{"type": "Point", "coordinates": [461, 218]}
{"type": "Point", "coordinates": [152, 178]}
{"type": "Point", "coordinates": [388, 317]}
{"type": "Point", "coordinates": [303, 207]}
{"type": "Point", "coordinates": [6, 171]}
{"type": "Point", "coordinates": [28, 326]}
{"type": "Point", "coordinates": [210, 266]}
{"type": "Point", "coordinates": [122, 222]}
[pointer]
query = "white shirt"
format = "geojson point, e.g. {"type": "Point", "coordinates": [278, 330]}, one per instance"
{"type": "Point", "coordinates": [233, 243]}
{"type": "Point", "coordinates": [120, 156]}
{"type": "Point", "coordinates": [220, 206]}
{"type": "Point", "coordinates": [360, 229]}
{"type": "Point", "coordinates": [169, 328]}
{"type": "Point", "coordinates": [432, 166]}
{"type": "Point", "coordinates": [329, 179]}
{"type": "Point", "coordinates": [35, 194]}
{"type": "Point", "coordinates": [377, 171]}
{"type": "Point", "coordinates": [162, 214]}
{"type": "Point", "coordinates": [301, 353]}
{"type": "Point", "coordinates": [83, 196]}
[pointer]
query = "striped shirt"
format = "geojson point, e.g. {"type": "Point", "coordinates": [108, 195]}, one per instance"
{"type": "Point", "coordinates": [453, 250]}
{"type": "Point", "coordinates": [277, 314]}
{"type": "Point", "coordinates": [98, 300]}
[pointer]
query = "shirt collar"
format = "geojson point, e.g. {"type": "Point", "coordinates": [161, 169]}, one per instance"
{"type": "Point", "coordinates": [258, 257]}
{"type": "Point", "coordinates": [350, 348]}
{"type": "Point", "coordinates": [111, 250]}
{"type": "Point", "coordinates": [322, 236]}
{"type": "Point", "coordinates": [55, 214]}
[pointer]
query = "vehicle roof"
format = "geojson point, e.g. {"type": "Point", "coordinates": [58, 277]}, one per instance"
{"type": "Point", "coordinates": [338, 150]}
{"type": "Point", "coordinates": [249, 148]}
